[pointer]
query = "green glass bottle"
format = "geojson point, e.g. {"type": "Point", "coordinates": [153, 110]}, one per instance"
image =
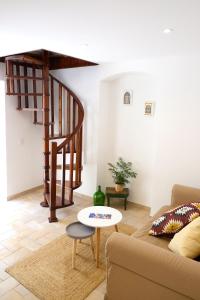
{"type": "Point", "coordinates": [99, 197]}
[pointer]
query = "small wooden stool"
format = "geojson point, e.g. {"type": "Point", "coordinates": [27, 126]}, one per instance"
{"type": "Point", "coordinates": [79, 231]}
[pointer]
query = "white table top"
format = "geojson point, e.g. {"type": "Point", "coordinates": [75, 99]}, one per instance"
{"type": "Point", "coordinates": [83, 216]}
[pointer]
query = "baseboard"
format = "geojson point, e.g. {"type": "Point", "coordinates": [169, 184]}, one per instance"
{"type": "Point", "coordinates": [134, 203]}
{"type": "Point", "coordinates": [14, 196]}
{"type": "Point", "coordinates": [82, 195]}
{"type": "Point", "coordinates": [141, 205]}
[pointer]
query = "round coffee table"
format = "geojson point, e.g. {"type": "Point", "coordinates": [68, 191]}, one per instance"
{"type": "Point", "coordinates": [91, 216]}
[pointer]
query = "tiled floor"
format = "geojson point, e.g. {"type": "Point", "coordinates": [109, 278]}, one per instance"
{"type": "Point", "coordinates": [24, 228]}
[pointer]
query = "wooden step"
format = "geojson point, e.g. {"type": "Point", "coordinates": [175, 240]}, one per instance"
{"type": "Point", "coordinates": [59, 201]}
{"type": "Point", "coordinates": [24, 94]}
{"type": "Point", "coordinates": [67, 184]}
{"type": "Point", "coordinates": [60, 152]}
{"type": "Point", "coordinates": [67, 167]}
{"type": "Point", "coordinates": [30, 109]}
{"type": "Point", "coordinates": [41, 123]}
{"type": "Point", "coordinates": [58, 136]}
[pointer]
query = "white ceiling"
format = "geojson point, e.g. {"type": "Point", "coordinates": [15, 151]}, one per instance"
{"type": "Point", "coordinates": [114, 30]}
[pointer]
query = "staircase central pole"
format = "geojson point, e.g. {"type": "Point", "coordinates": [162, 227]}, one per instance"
{"type": "Point", "coordinates": [45, 75]}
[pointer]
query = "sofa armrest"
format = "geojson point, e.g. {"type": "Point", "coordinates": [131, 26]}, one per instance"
{"type": "Point", "coordinates": [154, 264]}
{"type": "Point", "coordinates": [184, 194]}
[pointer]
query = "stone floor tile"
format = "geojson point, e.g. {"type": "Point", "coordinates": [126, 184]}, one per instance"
{"type": "Point", "coordinates": [30, 244]}
{"type": "Point", "coordinates": [17, 255]}
{"type": "Point", "coordinates": [4, 252]}
{"type": "Point", "coordinates": [3, 266]}
{"type": "Point", "coordinates": [12, 295]}
{"type": "Point", "coordinates": [22, 290]}
{"type": "Point", "coordinates": [7, 234]}
{"type": "Point", "coordinates": [39, 234]}
{"type": "Point", "coordinates": [11, 244]}
{"type": "Point", "coordinates": [102, 287]}
{"type": "Point", "coordinates": [7, 285]}
{"type": "Point", "coordinates": [30, 296]}
{"type": "Point", "coordinates": [95, 295]}
{"type": "Point", "coordinates": [24, 233]}
{"type": "Point", "coordinates": [4, 275]}
{"type": "Point", "coordinates": [2, 246]}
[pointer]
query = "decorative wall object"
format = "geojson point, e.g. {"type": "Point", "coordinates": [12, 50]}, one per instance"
{"type": "Point", "coordinates": [127, 97]}
{"type": "Point", "coordinates": [148, 108]}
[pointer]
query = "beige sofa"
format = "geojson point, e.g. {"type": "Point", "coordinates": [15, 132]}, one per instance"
{"type": "Point", "coordinates": [141, 267]}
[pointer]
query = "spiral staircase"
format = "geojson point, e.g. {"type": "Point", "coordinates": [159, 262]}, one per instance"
{"type": "Point", "coordinates": [59, 111]}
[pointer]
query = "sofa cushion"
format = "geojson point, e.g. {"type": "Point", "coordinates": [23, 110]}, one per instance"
{"type": "Point", "coordinates": [143, 233]}
{"type": "Point", "coordinates": [187, 241]}
{"type": "Point", "coordinates": [175, 219]}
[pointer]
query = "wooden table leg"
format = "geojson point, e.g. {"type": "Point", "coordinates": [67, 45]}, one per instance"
{"type": "Point", "coordinates": [116, 228]}
{"type": "Point", "coordinates": [97, 246]}
{"type": "Point", "coordinates": [92, 246]}
{"type": "Point", "coordinates": [125, 203]}
{"type": "Point", "coordinates": [108, 201]}
{"type": "Point", "coordinates": [74, 253]}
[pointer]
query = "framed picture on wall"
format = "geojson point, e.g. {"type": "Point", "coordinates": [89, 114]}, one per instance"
{"type": "Point", "coordinates": [148, 108]}
{"type": "Point", "coordinates": [127, 97]}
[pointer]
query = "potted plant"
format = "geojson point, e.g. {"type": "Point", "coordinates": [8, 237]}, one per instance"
{"type": "Point", "coordinates": [121, 173]}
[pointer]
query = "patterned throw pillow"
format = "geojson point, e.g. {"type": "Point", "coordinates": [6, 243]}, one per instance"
{"type": "Point", "coordinates": [174, 220]}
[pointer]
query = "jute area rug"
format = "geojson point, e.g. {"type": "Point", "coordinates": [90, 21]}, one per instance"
{"type": "Point", "coordinates": [48, 274]}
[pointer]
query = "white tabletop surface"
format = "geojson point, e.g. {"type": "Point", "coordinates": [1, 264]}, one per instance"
{"type": "Point", "coordinates": [83, 216]}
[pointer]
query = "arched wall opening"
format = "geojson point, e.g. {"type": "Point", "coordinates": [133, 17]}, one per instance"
{"type": "Point", "coordinates": [124, 131]}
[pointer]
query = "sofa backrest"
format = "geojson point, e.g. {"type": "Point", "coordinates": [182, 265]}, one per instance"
{"type": "Point", "coordinates": [184, 194]}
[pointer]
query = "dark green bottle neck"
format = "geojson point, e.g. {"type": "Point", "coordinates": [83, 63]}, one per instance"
{"type": "Point", "coordinates": [99, 188]}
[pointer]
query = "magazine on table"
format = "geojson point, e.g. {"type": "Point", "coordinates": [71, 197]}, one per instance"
{"type": "Point", "coordinates": [100, 216]}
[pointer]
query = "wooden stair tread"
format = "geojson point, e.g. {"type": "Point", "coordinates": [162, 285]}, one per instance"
{"type": "Point", "coordinates": [67, 167]}
{"type": "Point", "coordinates": [58, 136]}
{"type": "Point", "coordinates": [24, 94]}
{"type": "Point", "coordinates": [41, 123]}
{"type": "Point", "coordinates": [67, 184]}
{"type": "Point", "coordinates": [59, 201]}
{"type": "Point", "coordinates": [31, 109]}
{"type": "Point", "coordinates": [60, 152]}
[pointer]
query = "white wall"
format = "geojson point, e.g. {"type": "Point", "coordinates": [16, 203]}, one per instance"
{"type": "Point", "coordinates": [106, 133]}
{"type": "Point", "coordinates": [165, 148]}
{"type": "Point", "coordinates": [129, 133]}
{"type": "Point", "coordinates": [3, 172]}
{"type": "Point", "coordinates": [23, 148]}
{"type": "Point", "coordinates": [177, 157]}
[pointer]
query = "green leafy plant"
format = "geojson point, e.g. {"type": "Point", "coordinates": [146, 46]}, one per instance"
{"type": "Point", "coordinates": [122, 171]}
